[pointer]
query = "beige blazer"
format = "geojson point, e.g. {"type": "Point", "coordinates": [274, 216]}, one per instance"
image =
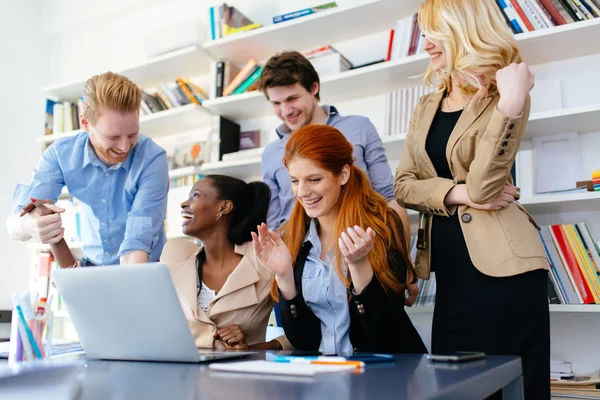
{"type": "Point", "coordinates": [244, 299]}
{"type": "Point", "coordinates": [481, 151]}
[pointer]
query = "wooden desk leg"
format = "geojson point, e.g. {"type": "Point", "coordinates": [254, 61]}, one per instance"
{"type": "Point", "coordinates": [514, 390]}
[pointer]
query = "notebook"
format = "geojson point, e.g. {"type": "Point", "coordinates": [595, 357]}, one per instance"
{"type": "Point", "coordinates": [269, 367]}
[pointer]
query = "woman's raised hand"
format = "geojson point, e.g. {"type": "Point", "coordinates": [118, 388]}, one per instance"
{"type": "Point", "coordinates": [356, 244]}
{"type": "Point", "coordinates": [270, 250]}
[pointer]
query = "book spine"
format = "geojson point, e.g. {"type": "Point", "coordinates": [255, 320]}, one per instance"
{"type": "Point", "coordinates": [522, 16]}
{"type": "Point", "coordinates": [219, 78]}
{"type": "Point", "coordinates": [571, 263]}
{"type": "Point", "coordinates": [553, 11]}
{"type": "Point", "coordinates": [532, 15]}
{"type": "Point", "coordinates": [542, 13]}
{"type": "Point", "coordinates": [293, 15]}
{"type": "Point", "coordinates": [248, 82]}
{"type": "Point", "coordinates": [509, 15]}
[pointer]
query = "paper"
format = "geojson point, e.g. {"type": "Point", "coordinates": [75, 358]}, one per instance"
{"type": "Point", "coordinates": [268, 367]}
{"type": "Point", "coordinates": [557, 162]}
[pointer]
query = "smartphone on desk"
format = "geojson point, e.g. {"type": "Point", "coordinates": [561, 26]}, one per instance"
{"type": "Point", "coordinates": [459, 356]}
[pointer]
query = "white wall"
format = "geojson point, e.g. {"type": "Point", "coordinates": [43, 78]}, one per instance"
{"type": "Point", "coordinates": [22, 71]}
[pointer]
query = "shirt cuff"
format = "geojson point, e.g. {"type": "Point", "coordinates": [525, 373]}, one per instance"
{"type": "Point", "coordinates": [138, 235]}
{"type": "Point", "coordinates": [21, 196]}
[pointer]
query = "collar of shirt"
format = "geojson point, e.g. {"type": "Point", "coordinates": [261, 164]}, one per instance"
{"type": "Point", "coordinates": [90, 157]}
{"type": "Point", "coordinates": [330, 110]}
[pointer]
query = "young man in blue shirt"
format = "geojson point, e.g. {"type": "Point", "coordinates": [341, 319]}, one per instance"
{"type": "Point", "coordinates": [119, 176]}
{"type": "Point", "coordinates": [292, 85]}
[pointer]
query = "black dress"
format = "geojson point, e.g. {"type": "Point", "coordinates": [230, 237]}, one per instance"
{"type": "Point", "coordinates": [477, 312]}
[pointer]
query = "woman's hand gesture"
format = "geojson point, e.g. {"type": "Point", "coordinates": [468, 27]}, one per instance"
{"type": "Point", "coordinates": [272, 253]}
{"type": "Point", "coordinates": [356, 244]}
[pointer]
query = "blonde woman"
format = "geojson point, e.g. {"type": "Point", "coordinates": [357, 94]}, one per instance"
{"type": "Point", "coordinates": [462, 141]}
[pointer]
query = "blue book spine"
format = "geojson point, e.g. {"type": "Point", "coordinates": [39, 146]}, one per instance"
{"type": "Point", "coordinates": [213, 34]}
{"type": "Point", "coordinates": [293, 15]}
{"type": "Point", "coordinates": [509, 14]}
{"type": "Point", "coordinates": [560, 287]}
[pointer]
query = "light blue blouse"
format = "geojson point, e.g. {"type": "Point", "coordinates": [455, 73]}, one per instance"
{"type": "Point", "coordinates": [326, 296]}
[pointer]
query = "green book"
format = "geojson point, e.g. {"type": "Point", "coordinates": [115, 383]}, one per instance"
{"type": "Point", "coordinates": [253, 77]}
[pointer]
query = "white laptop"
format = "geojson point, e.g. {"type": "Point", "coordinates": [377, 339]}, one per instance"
{"type": "Point", "coordinates": [130, 312]}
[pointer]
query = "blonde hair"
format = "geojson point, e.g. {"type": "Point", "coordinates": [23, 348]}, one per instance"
{"type": "Point", "coordinates": [477, 43]}
{"type": "Point", "coordinates": [112, 91]}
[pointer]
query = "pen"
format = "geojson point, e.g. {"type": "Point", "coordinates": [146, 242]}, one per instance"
{"type": "Point", "coordinates": [291, 359]}
{"type": "Point", "coordinates": [357, 364]}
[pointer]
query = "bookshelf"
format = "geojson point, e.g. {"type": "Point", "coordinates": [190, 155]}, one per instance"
{"type": "Point", "coordinates": [188, 61]}
{"type": "Point", "coordinates": [574, 323]}
{"type": "Point", "coordinates": [325, 27]}
{"type": "Point", "coordinates": [583, 119]}
{"type": "Point", "coordinates": [162, 123]}
{"type": "Point", "coordinates": [537, 47]}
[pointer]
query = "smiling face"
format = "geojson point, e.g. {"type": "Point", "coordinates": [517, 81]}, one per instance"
{"type": "Point", "coordinates": [317, 189]}
{"type": "Point", "coordinates": [437, 52]}
{"type": "Point", "coordinates": [294, 105]}
{"type": "Point", "coordinates": [199, 211]}
{"type": "Point", "coordinates": [113, 135]}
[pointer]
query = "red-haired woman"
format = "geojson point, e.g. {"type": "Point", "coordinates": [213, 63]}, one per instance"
{"type": "Point", "coordinates": [342, 263]}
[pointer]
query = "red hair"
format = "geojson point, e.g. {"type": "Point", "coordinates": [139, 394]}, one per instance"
{"type": "Point", "coordinates": [358, 204]}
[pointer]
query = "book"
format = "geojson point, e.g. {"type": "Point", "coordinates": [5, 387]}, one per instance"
{"type": "Point", "coordinates": [240, 77]}
{"type": "Point", "coordinates": [249, 81]}
{"type": "Point", "coordinates": [304, 12]}
{"type": "Point", "coordinates": [48, 123]}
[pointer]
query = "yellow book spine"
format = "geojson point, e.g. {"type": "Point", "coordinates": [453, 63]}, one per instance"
{"type": "Point", "coordinates": [585, 268]}
{"type": "Point", "coordinates": [229, 30]}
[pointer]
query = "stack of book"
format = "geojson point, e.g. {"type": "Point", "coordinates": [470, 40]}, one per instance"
{"type": "Point", "coordinates": [228, 79]}
{"type": "Point", "coordinates": [227, 20]}
{"type": "Point", "coordinates": [399, 106]}
{"type": "Point", "coordinates": [405, 39]}
{"type": "Point", "coordinates": [327, 61]}
{"type": "Point", "coordinates": [171, 95]}
{"type": "Point", "coordinates": [530, 15]}
{"type": "Point", "coordinates": [62, 116]}
{"type": "Point", "coordinates": [574, 258]}
{"type": "Point", "coordinates": [576, 386]}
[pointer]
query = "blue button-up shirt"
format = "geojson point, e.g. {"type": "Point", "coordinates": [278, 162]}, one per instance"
{"type": "Point", "coordinates": [122, 207]}
{"type": "Point", "coordinates": [368, 152]}
{"type": "Point", "coordinates": [325, 294]}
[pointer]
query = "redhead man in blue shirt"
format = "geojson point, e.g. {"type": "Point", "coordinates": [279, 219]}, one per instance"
{"type": "Point", "coordinates": [292, 86]}
{"type": "Point", "coordinates": [119, 176]}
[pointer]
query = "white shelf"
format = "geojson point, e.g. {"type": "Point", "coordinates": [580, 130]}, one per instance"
{"type": "Point", "coordinates": [185, 171]}
{"type": "Point", "coordinates": [555, 308]}
{"type": "Point", "coordinates": [188, 61]}
{"type": "Point", "coordinates": [319, 29]}
{"type": "Point", "coordinates": [174, 120]}
{"type": "Point", "coordinates": [558, 202]}
{"type": "Point", "coordinates": [242, 168]}
{"type": "Point", "coordinates": [536, 47]}
{"type": "Point", "coordinates": [581, 119]}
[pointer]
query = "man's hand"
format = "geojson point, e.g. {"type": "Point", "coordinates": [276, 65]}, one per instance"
{"type": "Point", "coordinates": [41, 220]}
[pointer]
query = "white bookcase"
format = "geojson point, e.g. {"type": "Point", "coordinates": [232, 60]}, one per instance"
{"type": "Point", "coordinates": [574, 327]}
